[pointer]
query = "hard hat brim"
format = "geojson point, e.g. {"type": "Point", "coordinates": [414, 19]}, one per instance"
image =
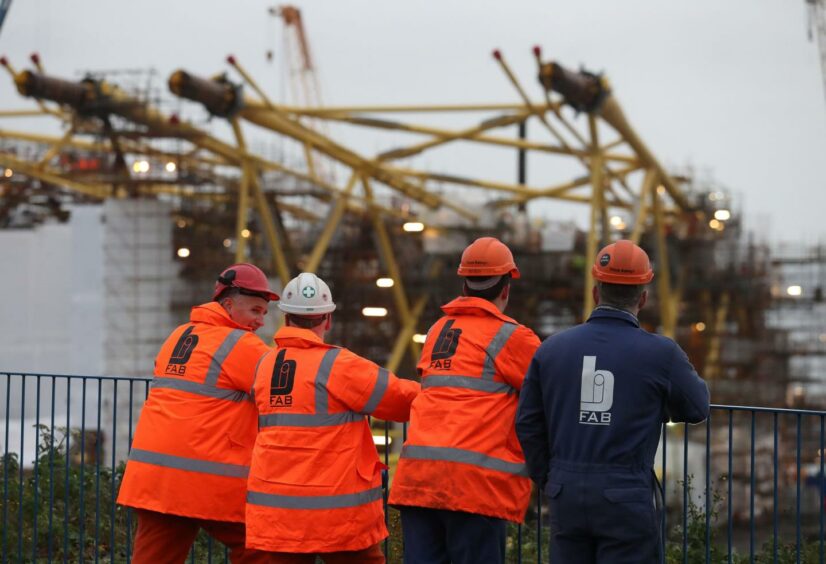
{"type": "Point", "coordinates": [306, 310]}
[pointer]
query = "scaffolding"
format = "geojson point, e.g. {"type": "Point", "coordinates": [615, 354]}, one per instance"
{"type": "Point", "coordinates": [389, 237]}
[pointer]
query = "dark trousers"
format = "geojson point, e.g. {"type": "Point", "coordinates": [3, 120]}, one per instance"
{"type": "Point", "coordinates": [436, 536]}
{"type": "Point", "coordinates": [165, 538]}
{"type": "Point", "coordinates": [603, 516]}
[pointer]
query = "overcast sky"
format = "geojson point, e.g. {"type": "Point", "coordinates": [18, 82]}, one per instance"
{"type": "Point", "coordinates": [732, 88]}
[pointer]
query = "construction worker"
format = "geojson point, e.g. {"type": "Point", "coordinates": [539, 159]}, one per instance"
{"type": "Point", "coordinates": [188, 466]}
{"type": "Point", "coordinates": [590, 415]}
{"type": "Point", "coordinates": [462, 475]}
{"type": "Point", "coordinates": [315, 484]}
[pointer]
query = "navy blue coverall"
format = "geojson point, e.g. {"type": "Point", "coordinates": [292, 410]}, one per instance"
{"type": "Point", "coordinates": [589, 420]}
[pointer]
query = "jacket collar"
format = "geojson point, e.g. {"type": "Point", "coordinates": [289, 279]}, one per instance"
{"type": "Point", "coordinates": [465, 305]}
{"type": "Point", "coordinates": [608, 312]}
{"type": "Point", "coordinates": [298, 337]}
{"type": "Point", "coordinates": [214, 314]}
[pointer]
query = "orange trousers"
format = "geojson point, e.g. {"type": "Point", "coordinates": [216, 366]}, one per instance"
{"type": "Point", "coordinates": [372, 555]}
{"type": "Point", "coordinates": [166, 539]}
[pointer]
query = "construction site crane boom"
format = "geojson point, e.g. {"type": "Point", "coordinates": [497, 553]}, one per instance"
{"type": "Point", "coordinates": [299, 61]}
{"type": "Point", "coordinates": [4, 10]}
{"type": "Point", "coordinates": [817, 27]}
{"type": "Point", "coordinates": [305, 88]}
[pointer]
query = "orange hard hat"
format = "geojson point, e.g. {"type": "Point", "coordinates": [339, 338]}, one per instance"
{"type": "Point", "coordinates": [246, 277]}
{"type": "Point", "coordinates": [622, 262]}
{"type": "Point", "coordinates": [487, 256]}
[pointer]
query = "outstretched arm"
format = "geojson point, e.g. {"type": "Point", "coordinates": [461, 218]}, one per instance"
{"type": "Point", "coordinates": [688, 397]}
{"type": "Point", "coordinates": [531, 426]}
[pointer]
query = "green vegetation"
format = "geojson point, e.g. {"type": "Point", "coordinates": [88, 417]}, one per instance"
{"type": "Point", "coordinates": [67, 516]}
{"type": "Point", "coordinates": [697, 536]}
{"type": "Point", "coordinates": [66, 511]}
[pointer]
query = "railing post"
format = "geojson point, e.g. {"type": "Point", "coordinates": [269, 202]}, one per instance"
{"type": "Point", "coordinates": [663, 519]}
{"type": "Point", "coordinates": [774, 493]}
{"type": "Point", "coordinates": [709, 497]}
{"type": "Point", "coordinates": [728, 481]}
{"type": "Point", "coordinates": [62, 490]}
{"type": "Point", "coordinates": [751, 493]}
{"type": "Point", "coordinates": [20, 468]}
{"type": "Point", "coordinates": [67, 492]}
{"type": "Point", "coordinates": [6, 472]}
{"type": "Point", "coordinates": [685, 493]}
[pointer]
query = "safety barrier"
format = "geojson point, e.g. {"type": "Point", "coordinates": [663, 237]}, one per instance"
{"type": "Point", "coordinates": [747, 484]}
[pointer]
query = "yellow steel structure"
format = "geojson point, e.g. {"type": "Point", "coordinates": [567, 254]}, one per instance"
{"type": "Point", "coordinates": [609, 167]}
{"type": "Point", "coordinates": [618, 174]}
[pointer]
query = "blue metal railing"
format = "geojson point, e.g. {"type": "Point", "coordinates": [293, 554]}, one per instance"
{"type": "Point", "coordinates": [746, 484]}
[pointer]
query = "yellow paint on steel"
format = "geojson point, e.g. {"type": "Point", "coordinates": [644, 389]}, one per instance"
{"type": "Point", "coordinates": [613, 114]}
{"type": "Point", "coordinates": [597, 212]}
{"type": "Point", "coordinates": [544, 120]}
{"type": "Point", "coordinates": [483, 139]}
{"type": "Point", "coordinates": [406, 317]}
{"type": "Point", "coordinates": [243, 202]}
{"type": "Point", "coordinates": [404, 339]}
{"type": "Point", "coordinates": [333, 219]}
{"type": "Point", "coordinates": [412, 150]}
{"type": "Point", "coordinates": [264, 211]}
{"type": "Point", "coordinates": [407, 330]}
{"type": "Point", "coordinates": [55, 149]}
{"type": "Point", "coordinates": [390, 109]}
{"type": "Point", "coordinates": [712, 364]}
{"type": "Point", "coordinates": [667, 319]}
{"type": "Point", "coordinates": [99, 191]}
{"type": "Point", "coordinates": [642, 205]}
{"type": "Point", "coordinates": [23, 113]}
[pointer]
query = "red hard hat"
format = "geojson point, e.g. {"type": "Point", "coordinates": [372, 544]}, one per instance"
{"type": "Point", "coordinates": [247, 277]}
{"type": "Point", "coordinates": [622, 262]}
{"type": "Point", "coordinates": [487, 256]}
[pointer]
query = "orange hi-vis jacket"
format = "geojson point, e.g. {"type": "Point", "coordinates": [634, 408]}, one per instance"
{"type": "Point", "coordinates": [193, 442]}
{"type": "Point", "coordinates": [315, 480]}
{"type": "Point", "coordinates": [462, 453]}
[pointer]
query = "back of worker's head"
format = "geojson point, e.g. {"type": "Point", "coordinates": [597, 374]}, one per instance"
{"type": "Point", "coordinates": [486, 287]}
{"type": "Point", "coordinates": [307, 302]}
{"type": "Point", "coordinates": [487, 267]}
{"type": "Point", "coordinates": [621, 272]}
{"type": "Point", "coordinates": [244, 292]}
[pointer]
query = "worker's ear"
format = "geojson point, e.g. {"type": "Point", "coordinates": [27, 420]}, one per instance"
{"type": "Point", "coordinates": [643, 299]}
{"type": "Point", "coordinates": [506, 292]}
{"type": "Point", "coordinates": [329, 322]}
{"type": "Point", "coordinates": [227, 304]}
{"type": "Point", "coordinates": [595, 295]}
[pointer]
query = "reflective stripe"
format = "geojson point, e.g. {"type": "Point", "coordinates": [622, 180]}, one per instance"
{"type": "Point", "coordinates": [255, 374]}
{"type": "Point", "coordinates": [321, 378]}
{"type": "Point", "coordinates": [307, 419]}
{"type": "Point", "coordinates": [495, 347]}
{"type": "Point", "coordinates": [190, 464]}
{"type": "Point", "coordinates": [322, 417]}
{"type": "Point", "coordinates": [221, 355]}
{"type": "Point", "coordinates": [199, 389]}
{"type": "Point", "coordinates": [467, 382]}
{"type": "Point", "coordinates": [465, 457]}
{"type": "Point", "coordinates": [314, 501]}
{"type": "Point", "coordinates": [378, 392]}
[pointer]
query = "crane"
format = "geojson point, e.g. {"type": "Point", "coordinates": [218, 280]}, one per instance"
{"type": "Point", "coordinates": [4, 9]}
{"type": "Point", "coordinates": [817, 25]}
{"type": "Point", "coordinates": [305, 88]}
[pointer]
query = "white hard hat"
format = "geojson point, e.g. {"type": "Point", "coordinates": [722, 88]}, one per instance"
{"type": "Point", "coordinates": [306, 294]}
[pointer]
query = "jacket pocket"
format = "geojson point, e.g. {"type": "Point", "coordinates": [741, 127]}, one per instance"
{"type": "Point", "coordinates": [552, 490]}
{"type": "Point", "coordinates": [238, 441]}
{"type": "Point", "coordinates": [634, 506]}
{"type": "Point", "coordinates": [626, 495]}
